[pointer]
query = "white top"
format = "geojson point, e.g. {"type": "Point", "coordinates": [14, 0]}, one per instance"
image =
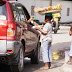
{"type": "Point", "coordinates": [47, 29]}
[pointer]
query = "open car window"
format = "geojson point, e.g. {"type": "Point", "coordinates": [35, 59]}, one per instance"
{"type": "Point", "coordinates": [18, 12]}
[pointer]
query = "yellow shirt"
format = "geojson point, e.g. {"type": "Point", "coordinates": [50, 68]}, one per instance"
{"type": "Point", "coordinates": [56, 15]}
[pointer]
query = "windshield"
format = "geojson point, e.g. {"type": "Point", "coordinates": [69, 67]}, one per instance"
{"type": "Point", "coordinates": [3, 11]}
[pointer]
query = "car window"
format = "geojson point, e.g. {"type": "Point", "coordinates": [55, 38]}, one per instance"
{"type": "Point", "coordinates": [18, 12]}
{"type": "Point", "coordinates": [3, 11]}
{"type": "Point", "coordinates": [26, 12]}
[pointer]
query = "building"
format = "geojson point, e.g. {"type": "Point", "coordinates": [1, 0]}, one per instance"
{"type": "Point", "coordinates": [66, 13]}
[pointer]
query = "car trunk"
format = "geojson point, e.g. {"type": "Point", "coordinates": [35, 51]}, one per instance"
{"type": "Point", "coordinates": [3, 28]}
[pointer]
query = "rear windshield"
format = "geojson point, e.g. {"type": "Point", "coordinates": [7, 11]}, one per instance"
{"type": "Point", "coordinates": [3, 11]}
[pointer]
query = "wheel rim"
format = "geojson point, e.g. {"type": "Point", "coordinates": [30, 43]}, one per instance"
{"type": "Point", "coordinates": [21, 59]}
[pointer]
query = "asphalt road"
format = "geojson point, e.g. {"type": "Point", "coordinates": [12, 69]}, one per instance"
{"type": "Point", "coordinates": [61, 42]}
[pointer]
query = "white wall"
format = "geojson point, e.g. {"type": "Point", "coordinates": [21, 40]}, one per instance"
{"type": "Point", "coordinates": [45, 3]}
{"type": "Point", "coordinates": [65, 5]}
{"type": "Point", "coordinates": [65, 18]}
{"type": "Point", "coordinates": [41, 4]}
{"type": "Point", "coordinates": [27, 4]}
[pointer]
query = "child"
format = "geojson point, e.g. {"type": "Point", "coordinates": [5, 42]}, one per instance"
{"type": "Point", "coordinates": [69, 62]}
{"type": "Point", "coordinates": [46, 41]}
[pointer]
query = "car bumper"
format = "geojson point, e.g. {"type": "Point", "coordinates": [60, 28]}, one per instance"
{"type": "Point", "coordinates": [14, 47]}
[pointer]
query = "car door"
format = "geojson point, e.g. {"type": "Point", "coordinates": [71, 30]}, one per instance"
{"type": "Point", "coordinates": [26, 33]}
{"type": "Point", "coordinates": [32, 32]}
{"type": "Point", "coordinates": [34, 37]}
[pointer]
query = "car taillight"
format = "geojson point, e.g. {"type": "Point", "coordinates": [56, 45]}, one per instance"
{"type": "Point", "coordinates": [9, 51]}
{"type": "Point", "coordinates": [11, 26]}
{"type": "Point", "coordinates": [11, 32]}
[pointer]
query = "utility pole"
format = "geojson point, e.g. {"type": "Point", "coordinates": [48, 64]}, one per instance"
{"type": "Point", "coordinates": [50, 2]}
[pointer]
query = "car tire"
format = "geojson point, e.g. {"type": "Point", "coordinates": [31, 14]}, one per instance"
{"type": "Point", "coordinates": [19, 67]}
{"type": "Point", "coordinates": [36, 56]}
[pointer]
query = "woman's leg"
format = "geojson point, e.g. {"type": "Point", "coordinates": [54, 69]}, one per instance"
{"type": "Point", "coordinates": [69, 62]}
{"type": "Point", "coordinates": [70, 58]}
{"type": "Point", "coordinates": [71, 50]}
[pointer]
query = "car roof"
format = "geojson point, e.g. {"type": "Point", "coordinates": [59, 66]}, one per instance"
{"type": "Point", "coordinates": [13, 1]}
{"type": "Point", "coordinates": [16, 2]}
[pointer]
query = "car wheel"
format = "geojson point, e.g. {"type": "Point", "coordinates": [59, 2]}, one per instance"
{"type": "Point", "coordinates": [36, 56]}
{"type": "Point", "coordinates": [20, 66]}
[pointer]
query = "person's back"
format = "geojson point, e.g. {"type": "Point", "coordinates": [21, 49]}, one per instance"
{"type": "Point", "coordinates": [48, 36]}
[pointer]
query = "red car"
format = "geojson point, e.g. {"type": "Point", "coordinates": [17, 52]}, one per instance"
{"type": "Point", "coordinates": [17, 39]}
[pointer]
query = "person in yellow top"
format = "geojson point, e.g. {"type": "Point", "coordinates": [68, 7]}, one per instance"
{"type": "Point", "coordinates": [56, 18]}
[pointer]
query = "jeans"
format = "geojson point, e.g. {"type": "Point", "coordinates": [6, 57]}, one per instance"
{"type": "Point", "coordinates": [46, 51]}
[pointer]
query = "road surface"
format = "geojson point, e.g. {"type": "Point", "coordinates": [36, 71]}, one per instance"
{"type": "Point", "coordinates": [61, 42]}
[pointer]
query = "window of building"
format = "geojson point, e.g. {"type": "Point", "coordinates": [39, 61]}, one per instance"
{"type": "Point", "coordinates": [68, 11]}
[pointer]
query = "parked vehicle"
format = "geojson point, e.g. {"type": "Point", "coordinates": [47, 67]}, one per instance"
{"type": "Point", "coordinates": [17, 39]}
{"type": "Point", "coordinates": [56, 22]}
{"type": "Point", "coordinates": [55, 25]}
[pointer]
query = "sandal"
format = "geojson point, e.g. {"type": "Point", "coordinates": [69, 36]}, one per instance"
{"type": "Point", "coordinates": [68, 62]}
{"type": "Point", "coordinates": [43, 68]}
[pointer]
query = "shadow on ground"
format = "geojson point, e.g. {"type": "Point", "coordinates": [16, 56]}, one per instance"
{"type": "Point", "coordinates": [4, 68]}
{"type": "Point", "coordinates": [36, 68]}
{"type": "Point", "coordinates": [32, 67]}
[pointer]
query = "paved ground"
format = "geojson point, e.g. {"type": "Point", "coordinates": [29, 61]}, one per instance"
{"type": "Point", "coordinates": [62, 39]}
{"type": "Point", "coordinates": [61, 42]}
{"type": "Point", "coordinates": [36, 68]}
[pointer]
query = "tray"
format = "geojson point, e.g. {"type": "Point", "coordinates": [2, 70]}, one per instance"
{"type": "Point", "coordinates": [50, 11]}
